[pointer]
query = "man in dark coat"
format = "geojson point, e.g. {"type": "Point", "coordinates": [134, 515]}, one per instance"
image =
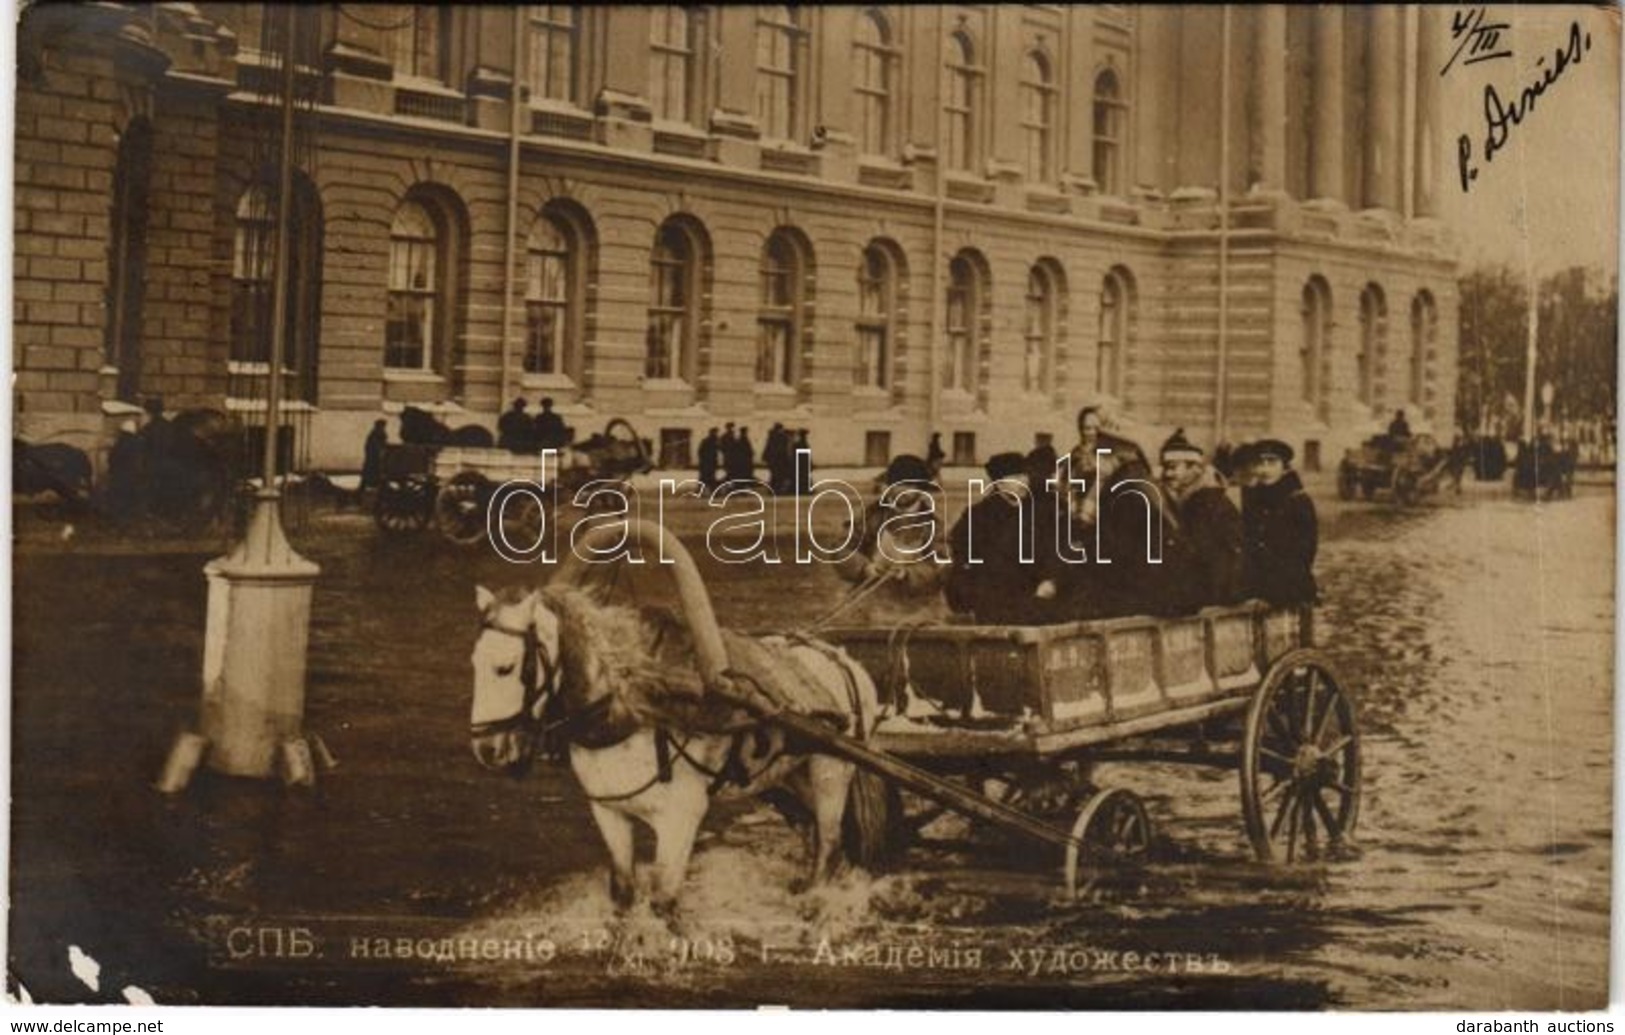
{"type": "Point", "coordinates": [709, 452]}
{"type": "Point", "coordinates": [1280, 533]}
{"type": "Point", "coordinates": [800, 451]}
{"type": "Point", "coordinates": [776, 454]}
{"type": "Point", "coordinates": [988, 578]}
{"type": "Point", "coordinates": [514, 428]}
{"type": "Point", "coordinates": [1208, 525]}
{"type": "Point", "coordinates": [550, 430]}
{"type": "Point", "coordinates": [372, 454]}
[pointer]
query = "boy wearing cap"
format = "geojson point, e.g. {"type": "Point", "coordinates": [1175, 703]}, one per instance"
{"type": "Point", "coordinates": [988, 578]}
{"type": "Point", "coordinates": [1209, 525]}
{"type": "Point", "coordinates": [1280, 533]}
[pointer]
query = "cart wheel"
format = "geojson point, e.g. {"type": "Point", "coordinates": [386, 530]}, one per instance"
{"type": "Point", "coordinates": [1114, 830]}
{"type": "Point", "coordinates": [874, 829]}
{"type": "Point", "coordinates": [523, 519]}
{"type": "Point", "coordinates": [402, 505]}
{"type": "Point", "coordinates": [1348, 481]}
{"type": "Point", "coordinates": [459, 509]}
{"type": "Point", "coordinates": [1300, 760]}
{"type": "Point", "coordinates": [1406, 488]}
{"type": "Point", "coordinates": [620, 430]}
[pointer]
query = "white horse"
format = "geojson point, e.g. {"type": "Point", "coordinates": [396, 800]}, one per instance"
{"type": "Point", "coordinates": [645, 740]}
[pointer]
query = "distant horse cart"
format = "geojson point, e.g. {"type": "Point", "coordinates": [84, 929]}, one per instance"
{"type": "Point", "coordinates": [451, 485]}
{"type": "Point", "coordinates": [1410, 468]}
{"type": "Point", "coordinates": [1001, 725]}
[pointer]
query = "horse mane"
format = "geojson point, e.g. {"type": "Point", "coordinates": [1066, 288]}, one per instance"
{"type": "Point", "coordinates": [641, 658]}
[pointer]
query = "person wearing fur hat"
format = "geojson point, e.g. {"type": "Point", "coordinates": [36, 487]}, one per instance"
{"type": "Point", "coordinates": [988, 577]}
{"type": "Point", "coordinates": [1280, 532]}
{"type": "Point", "coordinates": [899, 545]}
{"type": "Point", "coordinates": [1209, 525]}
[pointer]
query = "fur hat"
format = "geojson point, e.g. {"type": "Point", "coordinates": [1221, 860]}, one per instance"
{"type": "Point", "coordinates": [1178, 447]}
{"type": "Point", "coordinates": [1272, 447]}
{"type": "Point", "coordinates": [1006, 465]}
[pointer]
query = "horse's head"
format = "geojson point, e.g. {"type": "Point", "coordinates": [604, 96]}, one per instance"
{"type": "Point", "coordinates": [515, 672]}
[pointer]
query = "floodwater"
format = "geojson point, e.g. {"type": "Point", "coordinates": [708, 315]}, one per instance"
{"type": "Point", "coordinates": [1478, 634]}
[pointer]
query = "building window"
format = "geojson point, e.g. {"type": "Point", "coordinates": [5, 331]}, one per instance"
{"type": "Point", "coordinates": [251, 257]}
{"type": "Point", "coordinates": [1116, 324]}
{"type": "Point", "coordinates": [780, 323]}
{"type": "Point", "coordinates": [420, 48]}
{"type": "Point", "coordinates": [414, 286]}
{"type": "Point", "coordinates": [670, 351]}
{"type": "Point", "coordinates": [127, 256]}
{"type": "Point", "coordinates": [1373, 341]}
{"type": "Point", "coordinates": [877, 301]}
{"type": "Point", "coordinates": [961, 99]}
{"type": "Point", "coordinates": [1037, 103]}
{"type": "Point", "coordinates": [551, 68]}
{"type": "Point", "coordinates": [875, 57]}
{"type": "Point", "coordinates": [968, 302]}
{"type": "Point", "coordinates": [1314, 352]}
{"type": "Point", "coordinates": [1042, 329]}
{"type": "Point", "coordinates": [1424, 330]}
{"type": "Point", "coordinates": [671, 73]}
{"type": "Point", "coordinates": [777, 60]}
{"type": "Point", "coordinates": [552, 296]}
{"type": "Point", "coordinates": [1109, 120]}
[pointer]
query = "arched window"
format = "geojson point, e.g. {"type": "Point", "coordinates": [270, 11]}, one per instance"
{"type": "Point", "coordinates": [555, 294]}
{"type": "Point", "coordinates": [551, 68]}
{"type": "Point", "coordinates": [671, 348]}
{"type": "Point", "coordinates": [1037, 103]}
{"type": "Point", "coordinates": [969, 301]}
{"type": "Point", "coordinates": [416, 275]}
{"type": "Point", "coordinates": [1373, 341]}
{"type": "Point", "coordinates": [960, 102]}
{"type": "Point", "coordinates": [252, 254]}
{"type": "Point", "coordinates": [127, 256]}
{"type": "Point", "coordinates": [778, 47]}
{"type": "Point", "coordinates": [1042, 328]}
{"type": "Point", "coordinates": [1314, 352]}
{"type": "Point", "coordinates": [877, 305]}
{"type": "Point", "coordinates": [1109, 119]}
{"type": "Point", "coordinates": [780, 323]}
{"type": "Point", "coordinates": [1116, 323]}
{"type": "Point", "coordinates": [875, 58]}
{"type": "Point", "coordinates": [672, 45]}
{"type": "Point", "coordinates": [252, 294]}
{"type": "Point", "coordinates": [1424, 331]}
{"type": "Point", "coordinates": [420, 48]}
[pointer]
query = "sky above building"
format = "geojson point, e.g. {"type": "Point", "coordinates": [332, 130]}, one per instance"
{"type": "Point", "coordinates": [1549, 196]}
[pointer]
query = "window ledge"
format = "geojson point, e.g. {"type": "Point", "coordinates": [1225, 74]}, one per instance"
{"type": "Point", "coordinates": [666, 384]}
{"type": "Point", "coordinates": [875, 171]}
{"type": "Point", "coordinates": [420, 377]}
{"type": "Point", "coordinates": [420, 85]}
{"type": "Point", "coordinates": [774, 388]}
{"type": "Point", "coordinates": [527, 380]}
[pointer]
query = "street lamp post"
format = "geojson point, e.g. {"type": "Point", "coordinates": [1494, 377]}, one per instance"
{"type": "Point", "coordinates": [258, 629]}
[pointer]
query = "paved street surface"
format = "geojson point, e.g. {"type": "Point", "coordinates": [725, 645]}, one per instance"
{"type": "Point", "coordinates": [1477, 631]}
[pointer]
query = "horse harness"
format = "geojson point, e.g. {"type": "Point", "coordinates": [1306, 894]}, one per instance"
{"type": "Point", "coordinates": [538, 675]}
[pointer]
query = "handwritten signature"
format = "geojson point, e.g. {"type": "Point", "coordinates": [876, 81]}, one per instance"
{"type": "Point", "coordinates": [1500, 116]}
{"type": "Point", "coordinates": [1478, 39]}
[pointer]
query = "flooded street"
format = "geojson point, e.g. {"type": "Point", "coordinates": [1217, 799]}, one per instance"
{"type": "Point", "coordinates": [1477, 634]}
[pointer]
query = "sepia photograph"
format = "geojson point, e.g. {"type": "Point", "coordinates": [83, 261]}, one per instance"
{"type": "Point", "coordinates": [931, 507]}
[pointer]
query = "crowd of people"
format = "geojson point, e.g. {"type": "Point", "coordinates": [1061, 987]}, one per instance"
{"type": "Point", "coordinates": [730, 456]}
{"type": "Point", "coordinates": [521, 432]}
{"type": "Point", "coordinates": [1098, 533]}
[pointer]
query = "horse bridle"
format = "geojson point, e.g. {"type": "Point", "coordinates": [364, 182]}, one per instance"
{"type": "Point", "coordinates": [538, 674]}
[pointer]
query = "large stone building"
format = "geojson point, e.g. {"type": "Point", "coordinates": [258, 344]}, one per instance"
{"type": "Point", "coordinates": [869, 221]}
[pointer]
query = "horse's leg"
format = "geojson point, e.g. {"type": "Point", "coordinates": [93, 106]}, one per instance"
{"type": "Point", "coordinates": [830, 780]}
{"type": "Point", "coordinates": [616, 828]}
{"type": "Point", "coordinates": [675, 828]}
